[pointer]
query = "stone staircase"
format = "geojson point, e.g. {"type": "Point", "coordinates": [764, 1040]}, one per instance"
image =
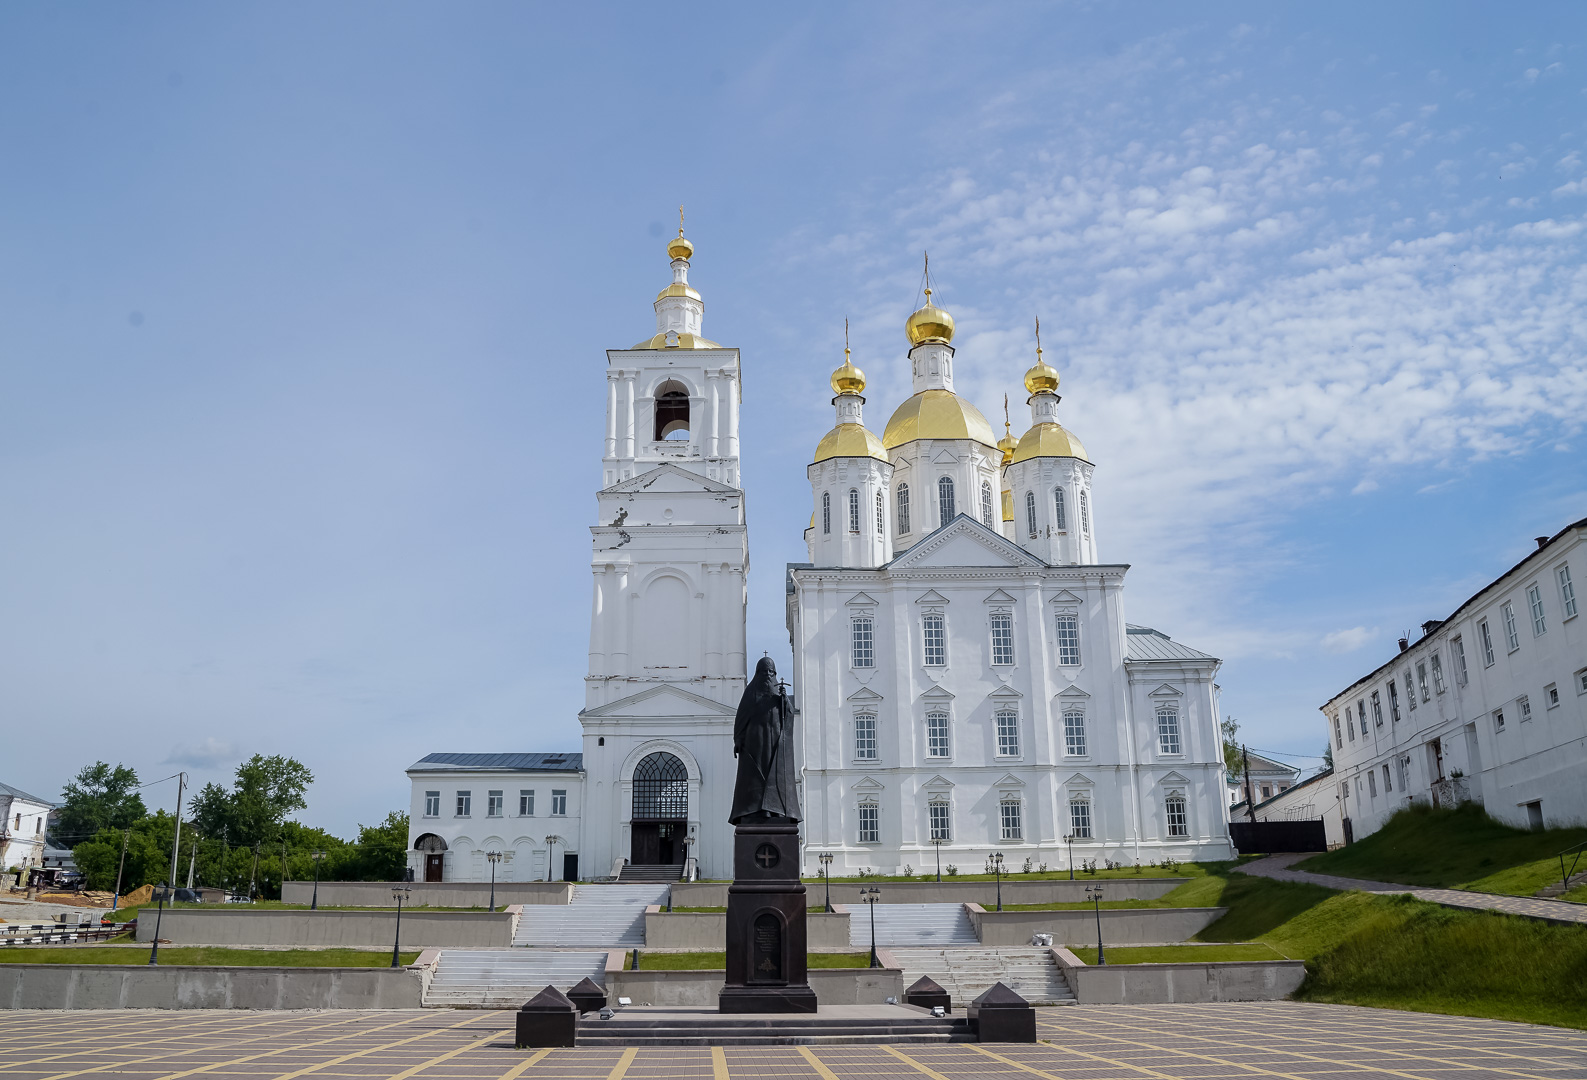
{"type": "Point", "coordinates": [608, 916]}
{"type": "Point", "coordinates": [506, 978]}
{"type": "Point", "coordinates": [912, 925]}
{"type": "Point", "coordinates": [706, 1027]}
{"type": "Point", "coordinates": [966, 972]}
{"type": "Point", "coordinates": [630, 875]}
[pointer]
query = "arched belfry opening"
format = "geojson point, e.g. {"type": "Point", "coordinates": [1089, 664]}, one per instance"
{"type": "Point", "coordinates": [660, 817]}
{"type": "Point", "coordinates": [672, 411]}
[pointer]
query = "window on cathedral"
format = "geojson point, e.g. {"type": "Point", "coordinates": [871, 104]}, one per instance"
{"type": "Point", "coordinates": [936, 734]}
{"type": "Point", "coordinates": [493, 804]}
{"type": "Point", "coordinates": [672, 411]}
{"type": "Point", "coordinates": [1009, 817]}
{"type": "Point", "coordinates": [863, 640]}
{"type": "Point", "coordinates": [881, 525]}
{"type": "Point", "coordinates": [1075, 733]}
{"type": "Point", "coordinates": [870, 823]}
{"type": "Point", "coordinates": [865, 737]}
{"type": "Point", "coordinates": [854, 510]}
{"type": "Point", "coordinates": [935, 639]}
{"type": "Point", "coordinates": [465, 803]}
{"type": "Point", "coordinates": [1085, 513]}
{"type": "Point", "coordinates": [1061, 520]}
{"type": "Point", "coordinates": [1068, 639]}
{"type": "Point", "coordinates": [986, 504]}
{"type": "Point", "coordinates": [941, 819]}
{"type": "Point", "coordinates": [559, 802]}
{"type": "Point", "coordinates": [1007, 733]}
{"type": "Point", "coordinates": [903, 509]}
{"type": "Point", "coordinates": [432, 804]}
{"type": "Point", "coordinates": [1002, 639]}
{"type": "Point", "coordinates": [1168, 730]}
{"type": "Point", "coordinates": [1080, 817]}
{"type": "Point", "coordinates": [526, 802]}
{"type": "Point", "coordinates": [1174, 811]}
{"type": "Point", "coordinates": [1030, 513]}
{"type": "Point", "coordinates": [826, 513]}
{"type": "Point", "coordinates": [945, 510]}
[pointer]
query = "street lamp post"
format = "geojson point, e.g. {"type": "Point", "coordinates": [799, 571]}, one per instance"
{"type": "Point", "coordinates": [551, 856]}
{"type": "Point", "coordinates": [399, 893]}
{"type": "Point", "coordinates": [154, 951]}
{"type": "Point", "coordinates": [997, 869]}
{"type": "Point", "coordinates": [1094, 894]}
{"type": "Point", "coordinates": [1069, 838]}
{"type": "Point", "coordinates": [937, 842]}
{"type": "Point", "coordinates": [122, 865]}
{"type": "Point", "coordinates": [494, 857]}
{"type": "Point", "coordinates": [871, 896]}
{"type": "Point", "coordinates": [314, 904]}
{"type": "Point", "coordinates": [826, 875]}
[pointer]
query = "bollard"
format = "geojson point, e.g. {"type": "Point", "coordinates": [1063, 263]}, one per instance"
{"type": "Point", "coordinates": [587, 996]}
{"type": "Point", "coordinates": [1000, 1015]}
{"type": "Point", "coordinates": [928, 993]}
{"type": "Point", "coordinates": [547, 1019]}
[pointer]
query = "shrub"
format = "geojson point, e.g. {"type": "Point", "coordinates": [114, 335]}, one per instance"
{"type": "Point", "coordinates": [953, 871]}
{"type": "Point", "coordinates": [909, 871]}
{"type": "Point", "coordinates": [1028, 867]}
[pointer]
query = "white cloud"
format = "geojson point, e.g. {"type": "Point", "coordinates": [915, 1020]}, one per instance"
{"type": "Point", "coordinates": [1348, 641]}
{"type": "Point", "coordinates": [205, 755]}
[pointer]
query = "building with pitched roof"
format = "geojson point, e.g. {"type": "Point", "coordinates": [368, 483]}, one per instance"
{"type": "Point", "coordinates": [24, 821]}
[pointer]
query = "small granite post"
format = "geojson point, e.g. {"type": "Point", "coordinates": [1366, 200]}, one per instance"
{"type": "Point", "coordinates": [1000, 1015]}
{"type": "Point", "coordinates": [547, 1019]}
{"type": "Point", "coordinates": [927, 993]}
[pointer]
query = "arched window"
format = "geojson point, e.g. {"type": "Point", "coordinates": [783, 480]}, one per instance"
{"type": "Point", "coordinates": [1179, 821]}
{"type": "Point", "coordinates": [1061, 522]}
{"type": "Point", "coordinates": [1074, 732]}
{"type": "Point", "coordinates": [1080, 816]}
{"type": "Point", "coordinates": [661, 788]}
{"type": "Point", "coordinates": [1085, 513]}
{"type": "Point", "coordinates": [672, 411]}
{"type": "Point", "coordinates": [1030, 513]}
{"type": "Point", "coordinates": [1168, 729]}
{"type": "Point", "coordinates": [864, 642]}
{"type": "Point", "coordinates": [986, 504]}
{"type": "Point", "coordinates": [1007, 733]}
{"type": "Point", "coordinates": [881, 526]}
{"type": "Point", "coordinates": [903, 509]}
{"type": "Point", "coordinates": [854, 510]}
{"type": "Point", "coordinates": [826, 512]}
{"type": "Point", "coordinates": [934, 637]}
{"type": "Point", "coordinates": [945, 510]}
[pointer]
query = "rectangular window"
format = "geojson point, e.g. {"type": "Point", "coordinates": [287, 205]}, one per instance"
{"type": "Point", "coordinates": [1059, 522]}
{"type": "Point", "coordinates": [1002, 639]}
{"type": "Point", "coordinates": [1349, 726]}
{"type": "Point", "coordinates": [1511, 635]}
{"type": "Point", "coordinates": [432, 804]}
{"type": "Point", "coordinates": [1405, 773]}
{"type": "Point", "coordinates": [465, 803]}
{"type": "Point", "coordinates": [826, 513]}
{"type": "Point", "coordinates": [936, 641]}
{"type": "Point", "coordinates": [1377, 709]}
{"type": "Point", "coordinates": [1007, 733]}
{"type": "Point", "coordinates": [1534, 600]}
{"type": "Point", "coordinates": [1008, 814]}
{"type": "Point", "coordinates": [1079, 817]}
{"type": "Point", "coordinates": [881, 524]}
{"type": "Point", "coordinates": [854, 511]}
{"type": "Point", "coordinates": [937, 735]}
{"type": "Point", "coordinates": [1394, 701]}
{"type": "Point", "coordinates": [1075, 733]}
{"type": "Point", "coordinates": [1581, 681]}
{"type": "Point", "coordinates": [1487, 643]}
{"type": "Point", "coordinates": [865, 738]}
{"type": "Point", "coordinates": [1524, 704]}
{"type": "Point", "coordinates": [493, 803]}
{"type": "Point", "coordinates": [1085, 513]}
{"type": "Point", "coordinates": [1459, 648]}
{"type": "Point", "coordinates": [1550, 696]}
{"type": "Point", "coordinates": [1068, 640]}
{"type": "Point", "coordinates": [1567, 592]}
{"type": "Point", "coordinates": [1498, 719]}
{"type": "Point", "coordinates": [1361, 713]}
{"type": "Point", "coordinates": [1168, 731]}
{"type": "Point", "coordinates": [1339, 739]}
{"type": "Point", "coordinates": [864, 641]}
{"type": "Point", "coordinates": [870, 823]}
{"type": "Point", "coordinates": [1387, 787]}
{"type": "Point", "coordinates": [1410, 689]}
{"type": "Point", "coordinates": [1372, 783]}
{"type": "Point", "coordinates": [903, 509]}
{"type": "Point", "coordinates": [941, 820]}
{"type": "Point", "coordinates": [1438, 673]}
{"type": "Point", "coordinates": [1421, 679]}
{"type": "Point", "coordinates": [559, 803]}
{"type": "Point", "coordinates": [526, 802]}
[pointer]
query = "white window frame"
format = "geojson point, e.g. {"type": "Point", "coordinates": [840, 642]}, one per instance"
{"type": "Point", "coordinates": [854, 510]}
{"type": "Point", "coordinates": [1169, 740]}
{"type": "Point", "coordinates": [1437, 662]}
{"type": "Point", "coordinates": [1388, 788]}
{"type": "Point", "coordinates": [1002, 639]}
{"type": "Point", "coordinates": [1068, 638]}
{"type": "Point", "coordinates": [1486, 636]}
{"type": "Point", "coordinates": [903, 509]}
{"type": "Point", "coordinates": [465, 804]}
{"type": "Point", "coordinates": [1410, 689]}
{"type": "Point", "coordinates": [1007, 729]}
{"type": "Point", "coordinates": [881, 515]}
{"type": "Point", "coordinates": [939, 735]}
{"type": "Point", "coordinates": [934, 639]}
{"type": "Point", "coordinates": [494, 803]}
{"type": "Point", "coordinates": [1339, 738]}
{"type": "Point", "coordinates": [559, 802]}
{"type": "Point", "coordinates": [1567, 591]}
{"type": "Point", "coordinates": [1581, 680]}
{"type": "Point", "coordinates": [939, 815]}
{"type": "Point", "coordinates": [1181, 828]}
{"type": "Point", "coordinates": [862, 642]}
{"type": "Point", "coordinates": [869, 822]}
{"type": "Point", "coordinates": [1523, 705]}
{"type": "Point", "coordinates": [986, 504]}
{"type": "Point", "coordinates": [1534, 601]}
{"type": "Point", "coordinates": [1394, 701]}
{"type": "Point", "coordinates": [1062, 521]}
{"type": "Point", "coordinates": [1372, 783]}
{"type": "Point", "coordinates": [1512, 635]}
{"type": "Point", "coordinates": [865, 748]}
{"type": "Point", "coordinates": [1030, 513]}
{"type": "Point", "coordinates": [1462, 673]}
{"type": "Point", "coordinates": [1361, 715]}
{"type": "Point", "coordinates": [1081, 823]}
{"type": "Point", "coordinates": [826, 513]}
{"type": "Point", "coordinates": [1421, 680]}
{"type": "Point", "coordinates": [1085, 513]}
{"type": "Point", "coordinates": [432, 804]}
{"type": "Point", "coordinates": [947, 500]}
{"type": "Point", "coordinates": [1377, 709]}
{"type": "Point", "coordinates": [1551, 696]}
{"type": "Point", "coordinates": [526, 802]}
{"type": "Point", "coordinates": [1498, 720]}
{"type": "Point", "coordinates": [1010, 818]}
{"type": "Point", "coordinates": [1350, 725]}
{"type": "Point", "coordinates": [1074, 732]}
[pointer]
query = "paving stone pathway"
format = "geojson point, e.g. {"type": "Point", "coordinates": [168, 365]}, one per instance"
{"type": "Point", "coordinates": [1277, 868]}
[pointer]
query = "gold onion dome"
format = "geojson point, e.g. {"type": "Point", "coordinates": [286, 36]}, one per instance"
{"type": "Point", "coordinates": [679, 248]}
{"type": "Point", "coordinates": [930, 323]}
{"type": "Point", "coordinates": [1042, 378]}
{"type": "Point", "coordinates": [1047, 440]}
{"type": "Point", "coordinates": [848, 379]}
{"type": "Point", "coordinates": [850, 440]}
{"type": "Point", "coordinates": [937, 414]}
{"type": "Point", "coordinates": [1008, 444]}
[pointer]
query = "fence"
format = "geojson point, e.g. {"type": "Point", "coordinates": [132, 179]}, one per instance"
{"type": "Point", "coordinates": [59, 933]}
{"type": "Point", "coordinates": [1267, 837]}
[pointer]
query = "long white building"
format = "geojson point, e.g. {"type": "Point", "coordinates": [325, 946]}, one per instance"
{"type": "Point", "coordinates": [1489, 705]}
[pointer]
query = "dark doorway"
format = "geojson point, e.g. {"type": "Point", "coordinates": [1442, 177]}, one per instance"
{"type": "Point", "coordinates": [660, 812]}
{"type": "Point", "coordinates": [434, 850]}
{"type": "Point", "coordinates": [432, 867]}
{"type": "Point", "coordinates": [570, 867]}
{"type": "Point", "coordinates": [657, 843]}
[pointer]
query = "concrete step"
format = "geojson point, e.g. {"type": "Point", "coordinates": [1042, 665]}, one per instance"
{"type": "Point", "coordinates": [610, 916]}
{"type": "Point", "coordinates": [840, 1025]}
{"type": "Point", "coordinates": [630, 874]}
{"type": "Point", "coordinates": [506, 978]}
{"type": "Point", "coordinates": [912, 925]}
{"type": "Point", "coordinates": [968, 972]}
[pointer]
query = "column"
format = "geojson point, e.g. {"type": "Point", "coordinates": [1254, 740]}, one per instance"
{"type": "Point", "coordinates": [611, 414]}
{"type": "Point", "coordinates": [715, 428]}
{"type": "Point", "coordinates": [715, 612]}
{"type": "Point", "coordinates": [619, 614]}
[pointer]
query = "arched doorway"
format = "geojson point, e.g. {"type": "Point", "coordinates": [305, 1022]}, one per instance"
{"type": "Point", "coordinates": [434, 849]}
{"type": "Point", "coordinates": [660, 811]}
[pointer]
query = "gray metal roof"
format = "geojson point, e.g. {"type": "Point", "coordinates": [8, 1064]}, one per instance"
{"type": "Point", "coordinates": [18, 793]}
{"type": "Point", "coordinates": [500, 762]}
{"type": "Point", "coordinates": [1144, 643]}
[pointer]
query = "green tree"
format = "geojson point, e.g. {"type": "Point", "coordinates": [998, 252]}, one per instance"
{"type": "Point", "coordinates": [383, 848]}
{"type": "Point", "coordinates": [1231, 746]}
{"type": "Point", "coordinates": [148, 854]}
{"type": "Point", "coordinates": [99, 797]}
{"type": "Point", "coordinates": [265, 792]}
{"type": "Point", "coordinates": [1328, 756]}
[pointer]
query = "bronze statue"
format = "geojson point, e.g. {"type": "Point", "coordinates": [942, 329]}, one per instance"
{"type": "Point", "coordinates": [763, 742]}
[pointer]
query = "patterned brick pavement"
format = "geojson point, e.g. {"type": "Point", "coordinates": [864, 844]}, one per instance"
{"type": "Point", "coordinates": [1277, 867]}
{"type": "Point", "coordinates": [1163, 1042]}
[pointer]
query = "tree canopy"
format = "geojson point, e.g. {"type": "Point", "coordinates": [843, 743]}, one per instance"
{"type": "Point", "coordinates": [99, 797]}
{"type": "Point", "coordinates": [265, 792]}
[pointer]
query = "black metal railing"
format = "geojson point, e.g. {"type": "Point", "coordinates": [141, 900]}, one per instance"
{"type": "Point", "coordinates": [1576, 851]}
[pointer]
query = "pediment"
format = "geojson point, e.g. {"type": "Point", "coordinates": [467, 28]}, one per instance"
{"type": "Point", "coordinates": [1064, 596]}
{"type": "Point", "coordinates": [1079, 780]}
{"type": "Point", "coordinates": [661, 701]}
{"type": "Point", "coordinates": [1166, 691]}
{"type": "Point", "coordinates": [936, 693]}
{"type": "Point", "coordinates": [965, 542]}
{"type": "Point", "coordinates": [1073, 692]}
{"type": "Point", "coordinates": [945, 457]}
{"type": "Point", "coordinates": [667, 479]}
{"type": "Point", "coordinates": [999, 597]}
{"type": "Point", "coordinates": [859, 599]}
{"type": "Point", "coordinates": [938, 783]}
{"type": "Point", "coordinates": [931, 596]}
{"type": "Point", "coordinates": [864, 694]}
{"type": "Point", "coordinates": [1009, 780]}
{"type": "Point", "coordinates": [868, 783]}
{"type": "Point", "coordinates": [1005, 692]}
{"type": "Point", "coordinates": [1173, 778]}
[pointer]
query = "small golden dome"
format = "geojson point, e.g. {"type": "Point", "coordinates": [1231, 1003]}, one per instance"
{"type": "Point", "coordinates": [848, 379]}
{"type": "Point", "coordinates": [930, 323]}
{"type": "Point", "coordinates": [1047, 440]}
{"type": "Point", "coordinates": [679, 248]}
{"type": "Point", "coordinates": [936, 414]}
{"type": "Point", "coordinates": [1008, 444]}
{"type": "Point", "coordinates": [1041, 379]}
{"type": "Point", "coordinates": [850, 440]}
{"type": "Point", "coordinates": [677, 288]}
{"type": "Point", "coordinates": [680, 341]}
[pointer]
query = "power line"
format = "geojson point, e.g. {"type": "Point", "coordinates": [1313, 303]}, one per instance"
{"type": "Point", "coordinates": [1276, 753]}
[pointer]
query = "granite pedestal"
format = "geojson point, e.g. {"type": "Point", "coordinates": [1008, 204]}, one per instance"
{"type": "Point", "coordinates": [766, 939]}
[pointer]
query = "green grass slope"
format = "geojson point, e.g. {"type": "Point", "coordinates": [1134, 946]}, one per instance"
{"type": "Point", "coordinates": [1453, 849]}
{"type": "Point", "coordinates": [200, 956]}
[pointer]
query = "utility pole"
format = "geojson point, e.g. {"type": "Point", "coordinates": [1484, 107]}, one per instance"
{"type": "Point", "coordinates": [126, 834]}
{"type": "Point", "coordinates": [176, 838]}
{"type": "Point", "coordinates": [1250, 809]}
{"type": "Point", "coordinates": [283, 896]}
{"type": "Point", "coordinates": [253, 875]}
{"type": "Point", "coordinates": [192, 860]}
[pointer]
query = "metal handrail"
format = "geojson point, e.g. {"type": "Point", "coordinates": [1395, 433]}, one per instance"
{"type": "Point", "coordinates": [1564, 876]}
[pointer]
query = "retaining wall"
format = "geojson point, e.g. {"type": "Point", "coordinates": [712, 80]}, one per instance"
{"type": "Point", "coordinates": [833, 986]}
{"type": "Point", "coordinates": [1015, 891]}
{"type": "Point", "coordinates": [1077, 926]}
{"type": "Point", "coordinates": [350, 929]}
{"type": "Point", "coordinates": [462, 894]}
{"type": "Point", "coordinates": [1157, 984]}
{"type": "Point", "coordinates": [70, 986]}
{"type": "Point", "coordinates": [707, 931]}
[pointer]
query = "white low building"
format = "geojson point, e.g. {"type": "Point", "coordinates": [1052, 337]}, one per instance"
{"type": "Point", "coordinates": [1489, 705]}
{"type": "Point", "coordinates": [24, 820]}
{"type": "Point", "coordinates": [525, 806]}
{"type": "Point", "coordinates": [1265, 776]}
{"type": "Point", "coordinates": [1315, 798]}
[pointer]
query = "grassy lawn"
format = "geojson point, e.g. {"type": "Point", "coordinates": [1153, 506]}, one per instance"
{"type": "Point", "coordinates": [1183, 954]}
{"type": "Point", "coordinates": [717, 961]}
{"type": "Point", "coordinates": [125, 914]}
{"type": "Point", "coordinates": [192, 956]}
{"type": "Point", "coordinates": [1014, 874]}
{"type": "Point", "coordinates": [1205, 889]}
{"type": "Point", "coordinates": [1454, 849]}
{"type": "Point", "coordinates": [701, 910]}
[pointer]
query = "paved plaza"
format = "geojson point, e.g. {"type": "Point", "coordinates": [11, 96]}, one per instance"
{"type": "Point", "coordinates": [1194, 1042]}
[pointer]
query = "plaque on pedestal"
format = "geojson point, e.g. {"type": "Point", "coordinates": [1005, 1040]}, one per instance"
{"type": "Point", "coordinates": [766, 938]}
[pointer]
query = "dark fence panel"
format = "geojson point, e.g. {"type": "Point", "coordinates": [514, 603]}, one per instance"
{"type": "Point", "coordinates": [1272, 836]}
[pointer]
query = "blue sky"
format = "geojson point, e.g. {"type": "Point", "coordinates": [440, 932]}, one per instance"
{"type": "Point", "coordinates": [303, 311]}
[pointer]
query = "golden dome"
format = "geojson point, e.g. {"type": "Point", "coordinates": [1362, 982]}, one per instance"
{"type": "Point", "coordinates": [1008, 444]}
{"type": "Point", "coordinates": [930, 323]}
{"type": "Point", "coordinates": [685, 341]}
{"type": "Point", "coordinates": [677, 288]}
{"type": "Point", "coordinates": [936, 414]}
{"type": "Point", "coordinates": [850, 440]}
{"type": "Point", "coordinates": [1041, 379]}
{"type": "Point", "coordinates": [679, 248]}
{"type": "Point", "coordinates": [848, 379]}
{"type": "Point", "coordinates": [1008, 506]}
{"type": "Point", "coordinates": [1047, 440]}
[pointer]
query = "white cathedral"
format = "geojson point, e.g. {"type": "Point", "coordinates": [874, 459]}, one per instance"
{"type": "Point", "coordinates": [964, 678]}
